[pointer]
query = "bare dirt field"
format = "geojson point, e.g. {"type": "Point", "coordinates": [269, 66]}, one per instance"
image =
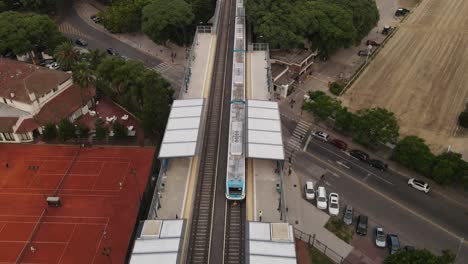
{"type": "Point", "coordinates": [422, 73]}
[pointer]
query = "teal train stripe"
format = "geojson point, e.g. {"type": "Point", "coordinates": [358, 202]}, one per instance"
{"type": "Point", "coordinates": [239, 50]}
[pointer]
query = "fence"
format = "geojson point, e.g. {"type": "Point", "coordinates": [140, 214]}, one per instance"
{"type": "Point", "coordinates": [311, 240]}
{"type": "Point", "coordinates": [191, 57]}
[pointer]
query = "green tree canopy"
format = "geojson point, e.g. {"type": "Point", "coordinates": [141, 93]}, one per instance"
{"type": "Point", "coordinates": [413, 153]}
{"type": "Point", "coordinates": [45, 6]}
{"type": "Point", "coordinates": [420, 256]}
{"type": "Point", "coordinates": [463, 119]}
{"type": "Point", "coordinates": [49, 132]}
{"type": "Point", "coordinates": [22, 33]}
{"type": "Point", "coordinates": [375, 126]}
{"type": "Point", "coordinates": [123, 16]}
{"type": "Point", "coordinates": [323, 106]}
{"type": "Point", "coordinates": [120, 131]}
{"type": "Point", "coordinates": [167, 20]}
{"type": "Point", "coordinates": [365, 15]}
{"type": "Point", "coordinates": [66, 130]}
{"type": "Point", "coordinates": [66, 55]}
{"type": "Point", "coordinates": [101, 130]}
{"type": "Point", "coordinates": [447, 168]}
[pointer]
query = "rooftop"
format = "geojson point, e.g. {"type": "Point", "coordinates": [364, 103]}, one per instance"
{"type": "Point", "coordinates": [6, 123]}
{"type": "Point", "coordinates": [19, 79]}
{"type": "Point", "coordinates": [290, 56]}
{"type": "Point", "coordinates": [99, 197]}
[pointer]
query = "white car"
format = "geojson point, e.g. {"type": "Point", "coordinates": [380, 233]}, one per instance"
{"type": "Point", "coordinates": [309, 190]}
{"type": "Point", "coordinates": [380, 237]}
{"type": "Point", "coordinates": [419, 185]}
{"type": "Point", "coordinates": [334, 206]}
{"type": "Point", "coordinates": [53, 66]}
{"type": "Point", "coordinates": [321, 135]}
{"type": "Point", "coordinates": [321, 198]}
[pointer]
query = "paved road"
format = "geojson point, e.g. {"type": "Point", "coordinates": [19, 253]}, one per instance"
{"type": "Point", "coordinates": [427, 221]}
{"type": "Point", "coordinates": [99, 40]}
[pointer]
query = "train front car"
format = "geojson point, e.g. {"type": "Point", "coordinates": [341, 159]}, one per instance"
{"type": "Point", "coordinates": [235, 182]}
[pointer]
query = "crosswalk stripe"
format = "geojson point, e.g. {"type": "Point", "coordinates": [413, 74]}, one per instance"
{"type": "Point", "coordinates": [161, 67]}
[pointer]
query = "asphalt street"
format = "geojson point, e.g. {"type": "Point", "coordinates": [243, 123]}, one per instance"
{"type": "Point", "coordinates": [102, 41]}
{"type": "Point", "coordinates": [423, 220]}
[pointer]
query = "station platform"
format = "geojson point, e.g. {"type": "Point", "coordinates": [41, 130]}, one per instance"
{"type": "Point", "coordinates": [263, 196]}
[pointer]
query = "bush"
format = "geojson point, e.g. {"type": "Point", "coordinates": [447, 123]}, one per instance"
{"type": "Point", "coordinates": [83, 131]}
{"type": "Point", "coordinates": [66, 130]}
{"type": "Point", "coordinates": [413, 153]}
{"type": "Point", "coordinates": [340, 229]}
{"type": "Point", "coordinates": [120, 131]}
{"type": "Point", "coordinates": [336, 88]}
{"type": "Point", "coordinates": [463, 119]}
{"type": "Point", "coordinates": [49, 132]}
{"type": "Point", "coordinates": [101, 130]}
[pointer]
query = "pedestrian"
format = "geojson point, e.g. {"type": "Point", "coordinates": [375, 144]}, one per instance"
{"type": "Point", "coordinates": [176, 216]}
{"type": "Point", "coordinates": [33, 249]}
{"type": "Point", "coordinates": [289, 172]}
{"type": "Point", "coordinates": [175, 55]}
{"type": "Point", "coordinates": [260, 215]}
{"type": "Point", "coordinates": [323, 176]}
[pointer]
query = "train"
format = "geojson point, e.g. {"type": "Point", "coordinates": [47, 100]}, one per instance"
{"type": "Point", "coordinates": [235, 174]}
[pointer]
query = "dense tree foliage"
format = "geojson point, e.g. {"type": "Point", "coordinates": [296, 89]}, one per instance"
{"type": "Point", "coordinates": [42, 6]}
{"type": "Point", "coordinates": [66, 55]}
{"type": "Point", "coordinates": [167, 20]}
{"type": "Point", "coordinates": [463, 119]}
{"type": "Point", "coordinates": [123, 16]}
{"type": "Point", "coordinates": [49, 132]}
{"type": "Point", "coordinates": [66, 130]}
{"type": "Point", "coordinates": [120, 131]}
{"type": "Point", "coordinates": [327, 25]}
{"type": "Point", "coordinates": [101, 130]}
{"type": "Point", "coordinates": [420, 256]}
{"type": "Point", "coordinates": [413, 153]}
{"type": "Point", "coordinates": [23, 33]}
{"type": "Point", "coordinates": [321, 105]}
{"type": "Point", "coordinates": [141, 91]}
{"type": "Point", "coordinates": [375, 126]}
{"type": "Point", "coordinates": [203, 10]}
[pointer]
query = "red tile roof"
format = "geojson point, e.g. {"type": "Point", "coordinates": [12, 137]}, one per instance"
{"type": "Point", "coordinates": [63, 105]}
{"type": "Point", "coordinates": [28, 125]}
{"type": "Point", "coordinates": [7, 123]}
{"type": "Point", "coordinates": [21, 79]}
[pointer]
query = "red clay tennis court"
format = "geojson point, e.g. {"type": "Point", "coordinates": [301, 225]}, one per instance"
{"type": "Point", "coordinates": [99, 190]}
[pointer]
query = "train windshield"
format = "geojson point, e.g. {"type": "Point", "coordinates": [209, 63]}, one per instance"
{"type": "Point", "coordinates": [235, 191]}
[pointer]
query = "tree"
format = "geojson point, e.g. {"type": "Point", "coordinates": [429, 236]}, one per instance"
{"type": "Point", "coordinates": [66, 130]}
{"type": "Point", "coordinates": [66, 55]}
{"type": "Point", "coordinates": [447, 168]}
{"type": "Point", "coordinates": [419, 256]}
{"type": "Point", "coordinates": [463, 119]}
{"type": "Point", "coordinates": [344, 120]}
{"type": "Point", "coordinates": [202, 10]}
{"type": "Point", "coordinates": [375, 126]}
{"type": "Point", "coordinates": [123, 16]}
{"type": "Point", "coordinates": [323, 106]}
{"type": "Point", "coordinates": [94, 58]}
{"type": "Point", "coordinates": [50, 132]}
{"type": "Point", "coordinates": [101, 130]}
{"type": "Point", "coordinates": [45, 6]}
{"type": "Point", "coordinates": [82, 131]}
{"type": "Point", "coordinates": [83, 77]}
{"type": "Point", "coordinates": [365, 15]}
{"type": "Point", "coordinates": [167, 20]}
{"type": "Point", "coordinates": [120, 131]}
{"type": "Point", "coordinates": [413, 153]}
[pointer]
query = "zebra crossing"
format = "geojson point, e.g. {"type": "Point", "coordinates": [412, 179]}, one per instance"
{"type": "Point", "coordinates": [67, 28]}
{"type": "Point", "coordinates": [162, 67]}
{"type": "Point", "coordinates": [295, 141]}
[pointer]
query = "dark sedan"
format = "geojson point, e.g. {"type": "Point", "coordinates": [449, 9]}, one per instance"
{"type": "Point", "coordinates": [378, 164]}
{"type": "Point", "coordinates": [359, 154]}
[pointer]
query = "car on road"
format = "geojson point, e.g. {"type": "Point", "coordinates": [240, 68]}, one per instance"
{"type": "Point", "coordinates": [321, 198]}
{"type": "Point", "coordinates": [95, 19]}
{"type": "Point", "coordinates": [338, 143]}
{"type": "Point", "coordinates": [372, 43]}
{"type": "Point", "coordinates": [378, 164]}
{"type": "Point", "coordinates": [359, 154]}
{"type": "Point", "coordinates": [53, 65]}
{"type": "Point", "coordinates": [393, 243]}
{"type": "Point", "coordinates": [361, 226]}
{"type": "Point", "coordinates": [321, 135]}
{"type": "Point", "coordinates": [46, 62]}
{"type": "Point", "coordinates": [348, 215]}
{"type": "Point", "coordinates": [309, 190]}
{"type": "Point", "coordinates": [401, 12]}
{"type": "Point", "coordinates": [81, 42]}
{"type": "Point", "coordinates": [379, 236]}
{"type": "Point", "coordinates": [334, 206]}
{"type": "Point", "coordinates": [112, 52]}
{"type": "Point", "coordinates": [364, 52]}
{"type": "Point", "coordinates": [419, 185]}
{"type": "Point", "coordinates": [387, 30]}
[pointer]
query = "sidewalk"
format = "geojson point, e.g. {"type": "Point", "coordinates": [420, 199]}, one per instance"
{"type": "Point", "coordinates": [87, 8]}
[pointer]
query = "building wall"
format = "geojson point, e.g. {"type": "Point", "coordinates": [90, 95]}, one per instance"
{"type": "Point", "coordinates": [16, 104]}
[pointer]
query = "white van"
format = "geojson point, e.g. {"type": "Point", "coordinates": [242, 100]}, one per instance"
{"type": "Point", "coordinates": [321, 198]}
{"type": "Point", "coordinates": [309, 190]}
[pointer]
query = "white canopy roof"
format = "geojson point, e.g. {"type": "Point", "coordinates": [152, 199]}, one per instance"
{"type": "Point", "coordinates": [181, 135]}
{"type": "Point", "coordinates": [264, 139]}
{"type": "Point", "coordinates": [271, 243]}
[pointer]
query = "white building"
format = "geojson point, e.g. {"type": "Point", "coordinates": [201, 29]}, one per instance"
{"type": "Point", "coordinates": [32, 96]}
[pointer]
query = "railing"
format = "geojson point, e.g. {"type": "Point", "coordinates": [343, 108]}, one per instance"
{"type": "Point", "coordinates": [190, 58]}
{"type": "Point", "coordinates": [216, 15]}
{"type": "Point", "coordinates": [265, 47]}
{"type": "Point", "coordinates": [160, 186]}
{"type": "Point", "coordinates": [311, 240]}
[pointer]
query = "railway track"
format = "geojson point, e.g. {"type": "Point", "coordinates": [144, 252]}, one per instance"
{"type": "Point", "coordinates": [202, 219]}
{"type": "Point", "coordinates": [234, 233]}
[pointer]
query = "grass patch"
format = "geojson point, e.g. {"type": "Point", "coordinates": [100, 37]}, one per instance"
{"type": "Point", "coordinates": [318, 257]}
{"type": "Point", "coordinates": [340, 229]}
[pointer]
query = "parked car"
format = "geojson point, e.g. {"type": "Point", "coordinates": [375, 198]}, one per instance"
{"type": "Point", "coordinates": [393, 243]}
{"type": "Point", "coordinates": [81, 42]}
{"type": "Point", "coordinates": [361, 226]}
{"type": "Point", "coordinates": [321, 135]}
{"type": "Point", "coordinates": [359, 154]}
{"type": "Point", "coordinates": [379, 236]}
{"type": "Point", "coordinates": [112, 52]}
{"type": "Point", "coordinates": [348, 215]}
{"type": "Point", "coordinates": [339, 144]}
{"type": "Point", "coordinates": [419, 185]}
{"type": "Point", "coordinates": [46, 62]}
{"type": "Point", "coordinates": [364, 53]}
{"type": "Point", "coordinates": [309, 190]}
{"type": "Point", "coordinates": [321, 198]}
{"type": "Point", "coordinates": [95, 19]}
{"type": "Point", "coordinates": [372, 43]}
{"type": "Point", "coordinates": [53, 66]}
{"type": "Point", "coordinates": [378, 164]}
{"type": "Point", "coordinates": [334, 206]}
{"type": "Point", "coordinates": [401, 12]}
{"type": "Point", "coordinates": [387, 30]}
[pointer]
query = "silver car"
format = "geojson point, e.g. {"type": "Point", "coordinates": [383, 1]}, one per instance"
{"type": "Point", "coordinates": [419, 185]}
{"type": "Point", "coordinates": [321, 135]}
{"type": "Point", "coordinates": [348, 215]}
